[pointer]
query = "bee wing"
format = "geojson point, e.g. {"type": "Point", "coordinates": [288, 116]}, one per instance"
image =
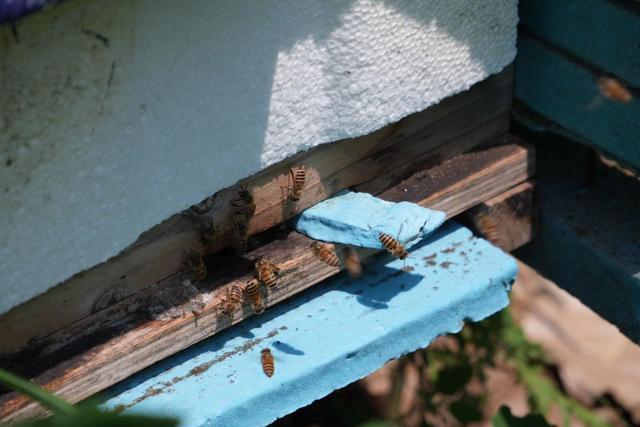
{"type": "Point", "coordinates": [275, 268]}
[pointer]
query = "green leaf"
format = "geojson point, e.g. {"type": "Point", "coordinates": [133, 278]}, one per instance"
{"type": "Point", "coordinates": [504, 418]}
{"type": "Point", "coordinates": [94, 418]}
{"type": "Point", "coordinates": [67, 415]}
{"type": "Point", "coordinates": [453, 378]}
{"type": "Point", "coordinates": [376, 423]}
{"type": "Point", "coordinates": [48, 400]}
{"type": "Point", "coordinates": [467, 409]}
{"type": "Point", "coordinates": [543, 393]}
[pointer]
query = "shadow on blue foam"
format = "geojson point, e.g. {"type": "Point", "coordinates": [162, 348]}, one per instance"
{"type": "Point", "coordinates": [377, 287]}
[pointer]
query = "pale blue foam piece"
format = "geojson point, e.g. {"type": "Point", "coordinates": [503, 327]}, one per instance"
{"type": "Point", "coordinates": [358, 219]}
{"type": "Point", "coordinates": [327, 337]}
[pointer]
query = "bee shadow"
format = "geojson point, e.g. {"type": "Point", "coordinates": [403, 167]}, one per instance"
{"type": "Point", "coordinates": [377, 288]}
{"type": "Point", "coordinates": [287, 348]}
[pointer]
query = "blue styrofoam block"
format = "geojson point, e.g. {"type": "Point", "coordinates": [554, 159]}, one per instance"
{"type": "Point", "coordinates": [327, 337]}
{"type": "Point", "coordinates": [336, 220]}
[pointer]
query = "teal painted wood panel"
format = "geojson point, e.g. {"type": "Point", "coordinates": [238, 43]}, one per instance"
{"type": "Point", "coordinates": [588, 238]}
{"type": "Point", "coordinates": [600, 32]}
{"type": "Point", "coordinates": [562, 255]}
{"type": "Point", "coordinates": [567, 94]}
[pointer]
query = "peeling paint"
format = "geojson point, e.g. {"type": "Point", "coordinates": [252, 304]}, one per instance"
{"type": "Point", "coordinates": [198, 370]}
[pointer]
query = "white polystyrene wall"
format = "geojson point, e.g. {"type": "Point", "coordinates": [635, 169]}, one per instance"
{"type": "Point", "coordinates": [102, 138]}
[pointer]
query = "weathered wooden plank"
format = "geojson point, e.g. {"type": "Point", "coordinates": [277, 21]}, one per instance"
{"type": "Point", "coordinates": [444, 187]}
{"type": "Point", "coordinates": [506, 220]}
{"type": "Point", "coordinates": [588, 240]}
{"type": "Point", "coordinates": [480, 166]}
{"type": "Point", "coordinates": [567, 93]}
{"type": "Point", "coordinates": [381, 159]}
{"type": "Point", "coordinates": [179, 319]}
{"type": "Point", "coordinates": [604, 33]}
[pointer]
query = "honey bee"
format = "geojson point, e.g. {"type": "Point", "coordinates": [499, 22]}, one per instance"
{"type": "Point", "coordinates": [352, 262]}
{"type": "Point", "coordinates": [235, 294]}
{"type": "Point", "coordinates": [203, 208]}
{"type": "Point", "coordinates": [488, 227]}
{"type": "Point", "coordinates": [267, 272]}
{"type": "Point", "coordinates": [208, 232]}
{"type": "Point", "coordinates": [299, 178]}
{"type": "Point", "coordinates": [244, 204]}
{"type": "Point", "coordinates": [240, 239]}
{"type": "Point", "coordinates": [243, 209]}
{"type": "Point", "coordinates": [266, 358]}
{"type": "Point", "coordinates": [252, 289]}
{"type": "Point", "coordinates": [194, 262]}
{"type": "Point", "coordinates": [232, 300]}
{"type": "Point", "coordinates": [326, 253]}
{"type": "Point", "coordinates": [393, 246]}
{"type": "Point", "coordinates": [611, 88]}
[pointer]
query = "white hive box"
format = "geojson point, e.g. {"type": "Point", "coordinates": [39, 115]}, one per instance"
{"type": "Point", "coordinates": [115, 117]}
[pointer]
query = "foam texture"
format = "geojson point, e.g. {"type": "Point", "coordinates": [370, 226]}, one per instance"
{"type": "Point", "coordinates": [115, 118]}
{"type": "Point", "coordinates": [358, 219]}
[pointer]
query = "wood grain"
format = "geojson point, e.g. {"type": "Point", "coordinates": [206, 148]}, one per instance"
{"type": "Point", "coordinates": [162, 320]}
{"type": "Point", "coordinates": [373, 162]}
{"type": "Point", "coordinates": [506, 220]}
